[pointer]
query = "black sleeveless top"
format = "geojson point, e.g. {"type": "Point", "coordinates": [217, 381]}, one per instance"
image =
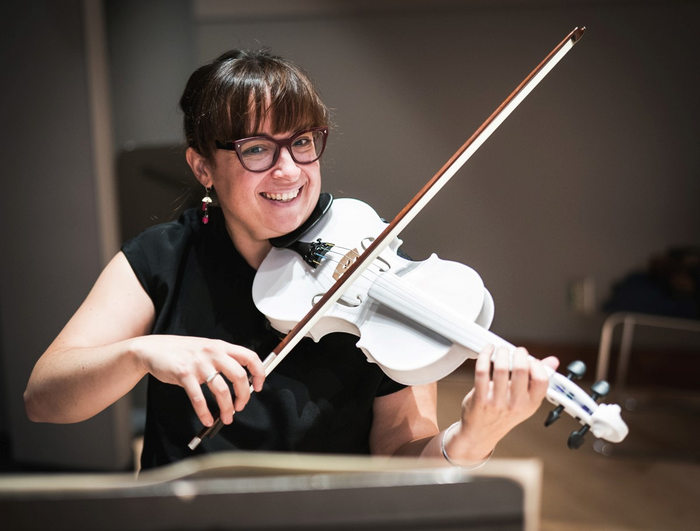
{"type": "Point", "coordinates": [318, 399]}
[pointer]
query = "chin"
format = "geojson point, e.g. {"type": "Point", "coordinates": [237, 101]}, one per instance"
{"type": "Point", "coordinates": [286, 218]}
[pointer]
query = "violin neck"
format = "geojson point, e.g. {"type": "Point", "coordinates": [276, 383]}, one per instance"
{"type": "Point", "coordinates": [395, 293]}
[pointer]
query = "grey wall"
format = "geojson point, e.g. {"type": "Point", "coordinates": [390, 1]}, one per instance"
{"type": "Point", "coordinates": [151, 54]}
{"type": "Point", "coordinates": [49, 239]}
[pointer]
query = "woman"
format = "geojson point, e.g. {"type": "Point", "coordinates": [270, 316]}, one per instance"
{"type": "Point", "coordinates": [175, 304]}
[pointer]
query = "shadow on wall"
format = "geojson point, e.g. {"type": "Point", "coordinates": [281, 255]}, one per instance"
{"type": "Point", "coordinates": [155, 185]}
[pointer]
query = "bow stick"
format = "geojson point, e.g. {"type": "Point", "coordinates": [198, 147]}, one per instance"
{"type": "Point", "coordinates": [406, 215]}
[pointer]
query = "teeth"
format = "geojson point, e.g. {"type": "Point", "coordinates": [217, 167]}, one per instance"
{"type": "Point", "coordinates": [286, 196]}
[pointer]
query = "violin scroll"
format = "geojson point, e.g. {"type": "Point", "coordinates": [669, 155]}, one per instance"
{"type": "Point", "coordinates": [603, 420]}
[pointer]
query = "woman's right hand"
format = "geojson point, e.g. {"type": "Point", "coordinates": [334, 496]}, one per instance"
{"type": "Point", "coordinates": [190, 362]}
{"type": "Point", "coordinates": [105, 350]}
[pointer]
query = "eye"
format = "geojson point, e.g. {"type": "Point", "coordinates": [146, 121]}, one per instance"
{"type": "Point", "coordinates": [255, 150]}
{"type": "Point", "coordinates": [302, 142]}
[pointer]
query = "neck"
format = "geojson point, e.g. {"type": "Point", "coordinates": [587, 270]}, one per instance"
{"type": "Point", "coordinates": [253, 251]}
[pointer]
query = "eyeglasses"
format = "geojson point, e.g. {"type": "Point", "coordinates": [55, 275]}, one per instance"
{"type": "Point", "coordinates": [260, 153]}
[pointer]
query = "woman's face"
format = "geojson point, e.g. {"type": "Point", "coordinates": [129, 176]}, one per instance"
{"type": "Point", "coordinates": [262, 205]}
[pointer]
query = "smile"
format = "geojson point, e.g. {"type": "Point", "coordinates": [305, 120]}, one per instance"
{"type": "Point", "coordinates": [283, 197]}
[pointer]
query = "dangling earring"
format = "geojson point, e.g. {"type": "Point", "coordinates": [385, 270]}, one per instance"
{"type": "Point", "coordinates": [206, 201]}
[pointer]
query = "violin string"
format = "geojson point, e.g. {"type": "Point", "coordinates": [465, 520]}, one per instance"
{"type": "Point", "coordinates": [334, 255]}
{"type": "Point", "coordinates": [368, 275]}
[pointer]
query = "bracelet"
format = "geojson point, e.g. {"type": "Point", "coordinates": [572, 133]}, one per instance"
{"type": "Point", "coordinates": [473, 466]}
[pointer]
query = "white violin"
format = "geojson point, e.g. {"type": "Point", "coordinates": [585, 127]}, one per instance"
{"type": "Point", "coordinates": [418, 321]}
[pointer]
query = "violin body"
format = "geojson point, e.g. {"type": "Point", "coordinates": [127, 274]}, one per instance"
{"type": "Point", "coordinates": [418, 321]}
{"type": "Point", "coordinates": [286, 288]}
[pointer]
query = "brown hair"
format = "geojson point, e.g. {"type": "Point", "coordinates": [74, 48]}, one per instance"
{"type": "Point", "coordinates": [230, 98]}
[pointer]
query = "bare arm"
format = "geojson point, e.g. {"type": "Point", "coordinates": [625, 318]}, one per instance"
{"type": "Point", "coordinates": [92, 362]}
{"type": "Point", "coordinates": [104, 351]}
{"type": "Point", "coordinates": [402, 419]}
{"type": "Point", "coordinates": [406, 422]}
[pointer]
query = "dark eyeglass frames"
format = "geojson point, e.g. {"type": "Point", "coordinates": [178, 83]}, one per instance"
{"type": "Point", "coordinates": [260, 153]}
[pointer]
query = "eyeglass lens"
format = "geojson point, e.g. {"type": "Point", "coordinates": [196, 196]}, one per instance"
{"type": "Point", "coordinates": [259, 154]}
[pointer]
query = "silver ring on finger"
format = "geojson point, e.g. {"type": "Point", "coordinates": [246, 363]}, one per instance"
{"type": "Point", "coordinates": [212, 376]}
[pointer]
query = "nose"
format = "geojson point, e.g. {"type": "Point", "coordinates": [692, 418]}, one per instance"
{"type": "Point", "coordinates": [285, 167]}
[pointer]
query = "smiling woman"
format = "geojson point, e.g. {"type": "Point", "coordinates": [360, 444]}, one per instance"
{"type": "Point", "coordinates": [256, 127]}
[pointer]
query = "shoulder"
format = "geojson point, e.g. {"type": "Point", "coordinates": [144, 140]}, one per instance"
{"type": "Point", "coordinates": [155, 255]}
{"type": "Point", "coordinates": [164, 236]}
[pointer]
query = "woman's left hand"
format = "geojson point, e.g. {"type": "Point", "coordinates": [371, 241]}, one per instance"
{"type": "Point", "coordinates": [500, 402]}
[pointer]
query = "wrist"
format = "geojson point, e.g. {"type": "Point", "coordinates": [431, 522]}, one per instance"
{"type": "Point", "coordinates": [136, 351]}
{"type": "Point", "coordinates": [459, 452]}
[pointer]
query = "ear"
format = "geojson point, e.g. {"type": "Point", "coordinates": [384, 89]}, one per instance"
{"type": "Point", "coordinates": [199, 167]}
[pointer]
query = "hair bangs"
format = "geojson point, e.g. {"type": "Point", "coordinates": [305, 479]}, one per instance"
{"type": "Point", "coordinates": [241, 92]}
{"type": "Point", "coordinates": [286, 102]}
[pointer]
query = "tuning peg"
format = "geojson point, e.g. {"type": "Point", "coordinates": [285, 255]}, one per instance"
{"type": "Point", "coordinates": [576, 438]}
{"type": "Point", "coordinates": [553, 416]}
{"type": "Point", "coordinates": [575, 371]}
{"type": "Point", "coordinates": [600, 389]}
